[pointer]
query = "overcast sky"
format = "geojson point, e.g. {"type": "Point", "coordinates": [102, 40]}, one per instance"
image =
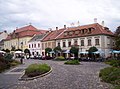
{"type": "Point", "coordinates": [46, 14]}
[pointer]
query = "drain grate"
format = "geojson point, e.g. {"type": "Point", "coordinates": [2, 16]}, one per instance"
{"type": "Point", "coordinates": [18, 70]}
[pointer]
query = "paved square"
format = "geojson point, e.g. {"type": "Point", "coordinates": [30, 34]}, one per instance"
{"type": "Point", "coordinates": [83, 76]}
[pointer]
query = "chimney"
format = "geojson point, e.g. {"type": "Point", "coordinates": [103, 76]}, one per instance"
{"type": "Point", "coordinates": [5, 31]}
{"type": "Point", "coordinates": [56, 28]}
{"type": "Point", "coordinates": [103, 23]}
{"type": "Point", "coordinates": [65, 26]}
{"type": "Point", "coordinates": [95, 20]}
{"type": "Point", "coordinates": [50, 29]}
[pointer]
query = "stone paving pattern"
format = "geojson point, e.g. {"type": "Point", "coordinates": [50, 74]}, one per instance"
{"type": "Point", "coordinates": [83, 76]}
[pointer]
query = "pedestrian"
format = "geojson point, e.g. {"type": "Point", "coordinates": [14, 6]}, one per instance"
{"type": "Point", "coordinates": [21, 59]}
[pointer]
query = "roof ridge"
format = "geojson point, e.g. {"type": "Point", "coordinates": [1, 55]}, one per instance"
{"type": "Point", "coordinates": [100, 27]}
{"type": "Point", "coordinates": [60, 33]}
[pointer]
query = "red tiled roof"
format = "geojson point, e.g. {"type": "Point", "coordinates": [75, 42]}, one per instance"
{"type": "Point", "coordinates": [24, 32]}
{"type": "Point", "coordinates": [97, 30]}
{"type": "Point", "coordinates": [29, 27]}
{"type": "Point", "coordinates": [53, 34]}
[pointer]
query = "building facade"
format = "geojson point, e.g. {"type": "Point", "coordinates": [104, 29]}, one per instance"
{"type": "Point", "coordinates": [50, 39]}
{"type": "Point", "coordinates": [3, 35]}
{"type": "Point", "coordinates": [19, 38]}
{"type": "Point", "coordinates": [35, 45]}
{"type": "Point", "coordinates": [87, 36]}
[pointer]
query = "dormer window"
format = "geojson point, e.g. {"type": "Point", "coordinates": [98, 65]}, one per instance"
{"type": "Point", "coordinates": [70, 33]}
{"type": "Point", "coordinates": [65, 34]}
{"type": "Point", "coordinates": [89, 30]}
{"type": "Point", "coordinates": [76, 32]}
{"type": "Point", "coordinates": [82, 31]}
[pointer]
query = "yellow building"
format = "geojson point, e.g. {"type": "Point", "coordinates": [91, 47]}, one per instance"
{"type": "Point", "coordinates": [19, 38]}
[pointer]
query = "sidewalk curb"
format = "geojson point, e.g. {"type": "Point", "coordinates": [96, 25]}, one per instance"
{"type": "Point", "coordinates": [32, 78]}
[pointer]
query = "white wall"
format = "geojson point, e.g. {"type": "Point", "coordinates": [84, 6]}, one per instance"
{"type": "Point", "coordinates": [103, 43]}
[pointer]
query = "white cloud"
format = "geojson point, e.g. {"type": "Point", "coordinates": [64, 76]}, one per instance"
{"type": "Point", "coordinates": [52, 13]}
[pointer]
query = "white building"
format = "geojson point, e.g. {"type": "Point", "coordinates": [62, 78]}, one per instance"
{"type": "Point", "coordinates": [35, 46]}
{"type": "Point", "coordinates": [87, 36]}
{"type": "Point", "coordinates": [3, 35]}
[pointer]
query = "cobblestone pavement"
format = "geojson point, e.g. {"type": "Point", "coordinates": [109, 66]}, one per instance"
{"type": "Point", "coordinates": [84, 76]}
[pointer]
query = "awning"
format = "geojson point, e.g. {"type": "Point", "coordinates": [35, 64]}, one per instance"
{"type": "Point", "coordinates": [66, 51]}
{"type": "Point", "coordinates": [115, 51]}
{"type": "Point", "coordinates": [52, 52]}
{"type": "Point", "coordinates": [83, 52]}
{"type": "Point", "coordinates": [2, 52]}
{"type": "Point", "coordinates": [98, 52]}
{"type": "Point", "coordinates": [19, 52]}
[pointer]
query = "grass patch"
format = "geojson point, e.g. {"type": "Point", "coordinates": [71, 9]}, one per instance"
{"type": "Point", "coordinates": [117, 87]}
{"type": "Point", "coordinates": [60, 58]}
{"type": "Point", "coordinates": [72, 62]}
{"type": "Point", "coordinates": [110, 75]}
{"type": "Point", "coordinates": [113, 62]}
{"type": "Point", "coordinates": [36, 69]}
{"type": "Point", "coordinates": [14, 63]}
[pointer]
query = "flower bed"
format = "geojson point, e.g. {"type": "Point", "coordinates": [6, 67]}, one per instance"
{"type": "Point", "coordinates": [36, 69]}
{"type": "Point", "coordinates": [72, 62]}
{"type": "Point", "coordinates": [111, 74]}
{"type": "Point", "coordinates": [60, 58]}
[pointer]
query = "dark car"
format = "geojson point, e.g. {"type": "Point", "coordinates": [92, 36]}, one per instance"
{"type": "Point", "coordinates": [47, 58]}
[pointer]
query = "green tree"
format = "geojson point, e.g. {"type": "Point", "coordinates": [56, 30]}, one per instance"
{"type": "Point", "coordinates": [27, 52]}
{"type": "Point", "coordinates": [57, 50]}
{"type": "Point", "coordinates": [117, 38]}
{"type": "Point", "coordinates": [47, 50]}
{"type": "Point", "coordinates": [7, 51]}
{"type": "Point", "coordinates": [75, 51]}
{"type": "Point", "coordinates": [12, 48]}
{"type": "Point", "coordinates": [91, 50]}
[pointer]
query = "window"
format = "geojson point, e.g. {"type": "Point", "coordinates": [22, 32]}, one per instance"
{"type": "Point", "coordinates": [69, 44]}
{"type": "Point", "coordinates": [37, 53]}
{"type": "Point", "coordinates": [58, 43]}
{"type": "Point", "coordinates": [82, 42]}
{"type": "Point", "coordinates": [43, 46]}
{"type": "Point", "coordinates": [97, 42]}
{"type": "Point", "coordinates": [89, 30]}
{"type": "Point", "coordinates": [82, 31]}
{"type": "Point", "coordinates": [65, 34]}
{"type": "Point", "coordinates": [89, 42]}
{"type": "Point", "coordinates": [32, 53]}
{"type": "Point", "coordinates": [75, 42]}
{"type": "Point", "coordinates": [29, 45]}
{"type": "Point", "coordinates": [108, 40]}
{"type": "Point", "coordinates": [38, 44]}
{"type": "Point", "coordinates": [76, 32]}
{"type": "Point", "coordinates": [70, 33]}
{"type": "Point", "coordinates": [64, 45]}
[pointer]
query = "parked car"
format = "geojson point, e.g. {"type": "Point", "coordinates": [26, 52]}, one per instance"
{"type": "Point", "coordinates": [47, 58]}
{"type": "Point", "coordinates": [36, 57]}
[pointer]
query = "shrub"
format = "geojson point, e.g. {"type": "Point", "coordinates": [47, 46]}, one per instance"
{"type": "Point", "coordinates": [117, 87]}
{"type": "Point", "coordinates": [6, 63]}
{"type": "Point", "coordinates": [8, 57]}
{"type": "Point", "coordinates": [60, 58]}
{"type": "Point", "coordinates": [110, 75]}
{"type": "Point", "coordinates": [72, 62]}
{"type": "Point", "coordinates": [36, 69]}
{"type": "Point", "coordinates": [14, 63]}
{"type": "Point", "coordinates": [114, 63]}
